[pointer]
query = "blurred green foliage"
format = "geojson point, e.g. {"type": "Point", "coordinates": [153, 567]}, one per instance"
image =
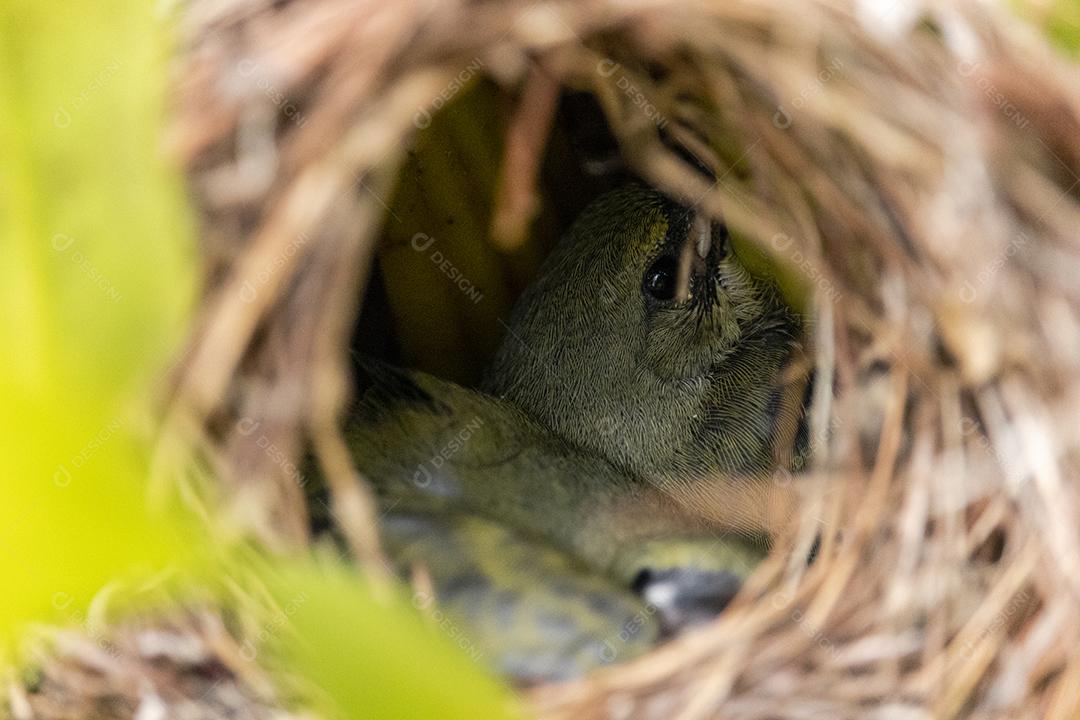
{"type": "Point", "coordinates": [97, 285]}
{"type": "Point", "coordinates": [1059, 19]}
{"type": "Point", "coordinates": [377, 657]}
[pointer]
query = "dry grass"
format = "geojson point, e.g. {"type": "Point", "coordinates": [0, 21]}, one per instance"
{"type": "Point", "coordinates": [922, 170]}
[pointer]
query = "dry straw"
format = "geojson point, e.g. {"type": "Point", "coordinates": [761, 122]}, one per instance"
{"type": "Point", "coordinates": [919, 164]}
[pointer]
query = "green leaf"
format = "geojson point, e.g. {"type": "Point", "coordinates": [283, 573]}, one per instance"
{"type": "Point", "coordinates": [97, 285]}
{"type": "Point", "coordinates": [368, 654]}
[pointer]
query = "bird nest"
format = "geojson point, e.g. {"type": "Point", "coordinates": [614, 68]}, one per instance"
{"type": "Point", "coordinates": [916, 168]}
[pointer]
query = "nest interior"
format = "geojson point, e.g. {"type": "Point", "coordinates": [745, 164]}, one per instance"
{"type": "Point", "coordinates": [915, 170]}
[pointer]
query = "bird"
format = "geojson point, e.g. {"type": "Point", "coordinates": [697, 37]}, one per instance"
{"type": "Point", "coordinates": [555, 509]}
{"type": "Point", "coordinates": [644, 319]}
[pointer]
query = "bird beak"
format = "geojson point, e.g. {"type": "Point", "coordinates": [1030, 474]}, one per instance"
{"type": "Point", "coordinates": [693, 259]}
{"type": "Point", "coordinates": [701, 230]}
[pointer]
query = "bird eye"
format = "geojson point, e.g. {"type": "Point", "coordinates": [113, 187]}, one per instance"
{"type": "Point", "coordinates": [661, 277]}
{"type": "Point", "coordinates": [641, 580]}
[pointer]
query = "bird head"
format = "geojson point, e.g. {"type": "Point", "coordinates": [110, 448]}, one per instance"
{"type": "Point", "coordinates": [646, 339]}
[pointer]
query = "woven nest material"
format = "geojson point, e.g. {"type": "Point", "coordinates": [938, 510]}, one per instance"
{"type": "Point", "coordinates": [919, 166]}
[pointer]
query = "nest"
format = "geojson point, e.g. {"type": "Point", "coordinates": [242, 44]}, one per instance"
{"type": "Point", "coordinates": [917, 167]}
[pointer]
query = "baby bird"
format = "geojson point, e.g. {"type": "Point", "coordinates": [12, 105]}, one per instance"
{"type": "Point", "coordinates": [553, 509]}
